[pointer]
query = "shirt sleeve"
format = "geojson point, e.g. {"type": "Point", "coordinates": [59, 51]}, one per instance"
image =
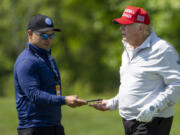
{"type": "Point", "coordinates": [113, 103]}
{"type": "Point", "coordinates": [29, 81]}
{"type": "Point", "coordinates": [170, 72]}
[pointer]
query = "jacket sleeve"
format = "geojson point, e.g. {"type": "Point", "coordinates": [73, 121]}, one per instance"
{"type": "Point", "coordinates": [170, 72]}
{"type": "Point", "coordinates": [29, 81]}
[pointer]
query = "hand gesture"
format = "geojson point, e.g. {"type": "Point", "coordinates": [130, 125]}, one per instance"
{"type": "Point", "coordinates": [100, 105]}
{"type": "Point", "coordinates": [74, 101]}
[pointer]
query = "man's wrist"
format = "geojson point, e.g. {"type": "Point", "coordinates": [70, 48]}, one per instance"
{"type": "Point", "coordinates": [63, 100]}
{"type": "Point", "coordinates": [110, 105]}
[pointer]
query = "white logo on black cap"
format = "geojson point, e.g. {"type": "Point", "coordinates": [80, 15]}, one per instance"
{"type": "Point", "coordinates": [48, 21]}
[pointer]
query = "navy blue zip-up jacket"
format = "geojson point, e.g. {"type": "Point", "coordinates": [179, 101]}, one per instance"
{"type": "Point", "coordinates": [35, 89]}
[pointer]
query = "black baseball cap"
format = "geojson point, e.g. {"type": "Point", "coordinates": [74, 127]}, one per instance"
{"type": "Point", "coordinates": [41, 23]}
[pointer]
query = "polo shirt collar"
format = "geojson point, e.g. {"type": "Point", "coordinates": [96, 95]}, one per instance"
{"type": "Point", "coordinates": [145, 44]}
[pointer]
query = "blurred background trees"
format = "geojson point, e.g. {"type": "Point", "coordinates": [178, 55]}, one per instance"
{"type": "Point", "coordinates": [88, 50]}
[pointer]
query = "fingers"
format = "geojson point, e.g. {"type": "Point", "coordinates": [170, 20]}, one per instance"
{"type": "Point", "coordinates": [74, 101]}
{"type": "Point", "coordinates": [95, 105]}
{"type": "Point", "coordinates": [100, 105]}
{"type": "Point", "coordinates": [100, 102]}
{"type": "Point", "coordinates": [80, 102]}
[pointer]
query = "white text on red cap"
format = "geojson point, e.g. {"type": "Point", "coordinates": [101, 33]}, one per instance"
{"type": "Point", "coordinates": [127, 15]}
{"type": "Point", "coordinates": [129, 11]}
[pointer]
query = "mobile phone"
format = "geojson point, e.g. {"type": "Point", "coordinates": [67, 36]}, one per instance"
{"type": "Point", "coordinates": [93, 100]}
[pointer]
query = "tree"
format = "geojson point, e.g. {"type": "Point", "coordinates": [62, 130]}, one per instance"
{"type": "Point", "coordinates": [88, 50]}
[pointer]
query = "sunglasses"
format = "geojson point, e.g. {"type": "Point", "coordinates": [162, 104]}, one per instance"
{"type": "Point", "coordinates": [45, 35]}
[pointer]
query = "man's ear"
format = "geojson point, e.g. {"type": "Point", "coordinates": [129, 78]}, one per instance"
{"type": "Point", "coordinates": [29, 33]}
{"type": "Point", "coordinates": [141, 27]}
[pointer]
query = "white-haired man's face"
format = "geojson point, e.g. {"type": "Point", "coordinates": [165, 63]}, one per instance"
{"type": "Point", "coordinates": [133, 33]}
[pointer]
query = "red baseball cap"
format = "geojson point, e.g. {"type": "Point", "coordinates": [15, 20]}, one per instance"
{"type": "Point", "coordinates": [133, 15]}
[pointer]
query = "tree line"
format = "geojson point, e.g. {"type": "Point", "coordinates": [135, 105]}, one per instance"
{"type": "Point", "coordinates": [88, 50]}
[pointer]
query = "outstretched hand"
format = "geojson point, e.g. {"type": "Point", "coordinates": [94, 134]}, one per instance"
{"type": "Point", "coordinates": [100, 105]}
{"type": "Point", "coordinates": [74, 101]}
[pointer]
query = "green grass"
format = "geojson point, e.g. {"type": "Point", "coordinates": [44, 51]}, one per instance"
{"type": "Point", "coordinates": [86, 120]}
{"type": "Point", "coordinates": [77, 121]}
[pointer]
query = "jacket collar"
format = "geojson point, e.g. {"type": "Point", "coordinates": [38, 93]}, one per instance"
{"type": "Point", "coordinates": [38, 50]}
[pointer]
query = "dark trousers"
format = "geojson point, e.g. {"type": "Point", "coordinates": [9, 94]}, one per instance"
{"type": "Point", "coordinates": [54, 130]}
{"type": "Point", "coordinates": [158, 126]}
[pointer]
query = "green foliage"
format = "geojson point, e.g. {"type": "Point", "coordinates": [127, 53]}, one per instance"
{"type": "Point", "coordinates": [88, 50]}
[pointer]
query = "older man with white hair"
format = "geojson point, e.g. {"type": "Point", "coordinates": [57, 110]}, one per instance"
{"type": "Point", "coordinates": [150, 78]}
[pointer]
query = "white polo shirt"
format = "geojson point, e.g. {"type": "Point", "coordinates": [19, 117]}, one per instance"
{"type": "Point", "coordinates": [149, 73]}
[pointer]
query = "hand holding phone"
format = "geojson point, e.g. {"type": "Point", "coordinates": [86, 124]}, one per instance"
{"type": "Point", "coordinates": [94, 100]}
{"type": "Point", "coordinates": [101, 105]}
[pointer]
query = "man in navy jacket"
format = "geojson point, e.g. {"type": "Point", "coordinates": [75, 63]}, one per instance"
{"type": "Point", "coordinates": [38, 84]}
